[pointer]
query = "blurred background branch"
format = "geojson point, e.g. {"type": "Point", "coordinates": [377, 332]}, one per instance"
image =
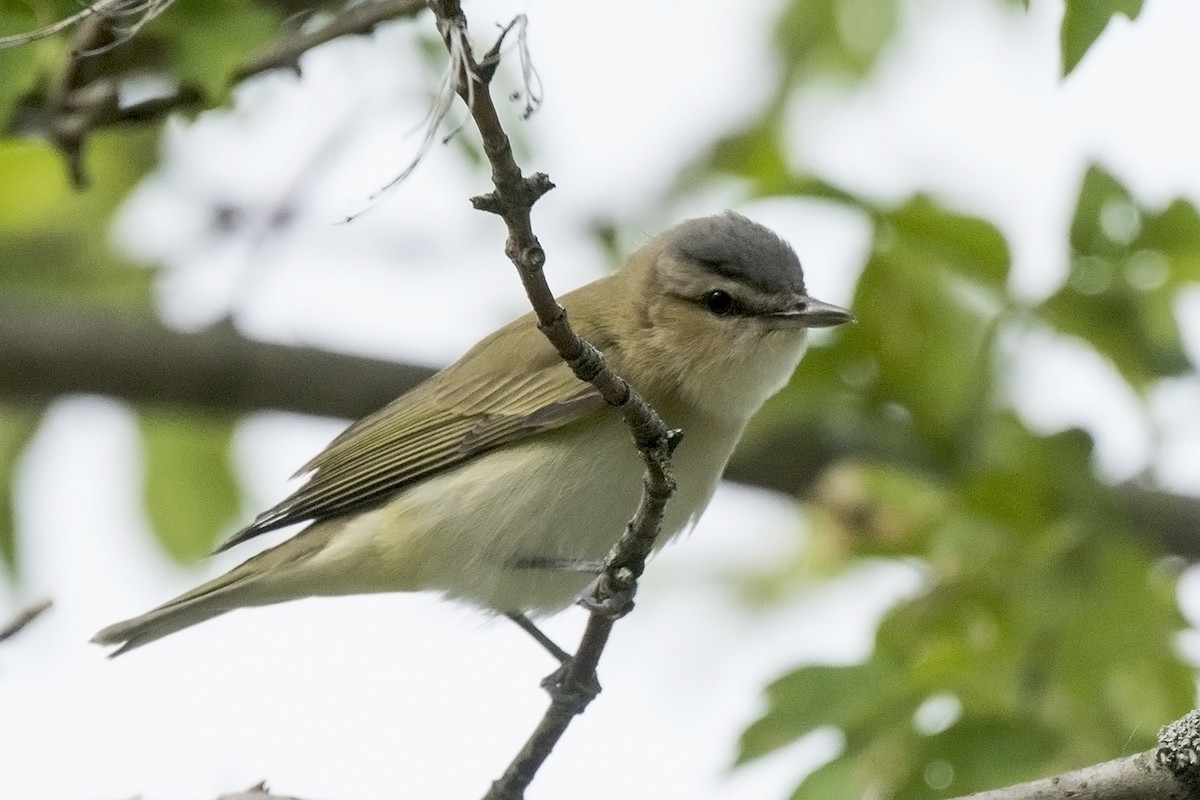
{"type": "Point", "coordinates": [48, 352]}
{"type": "Point", "coordinates": [356, 20]}
{"type": "Point", "coordinates": [22, 620]}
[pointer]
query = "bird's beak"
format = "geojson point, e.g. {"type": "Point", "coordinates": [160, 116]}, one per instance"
{"type": "Point", "coordinates": [808, 312]}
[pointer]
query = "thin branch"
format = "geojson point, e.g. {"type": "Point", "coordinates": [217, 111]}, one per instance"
{"type": "Point", "coordinates": [443, 101]}
{"type": "Point", "coordinates": [19, 622]}
{"type": "Point", "coordinates": [357, 20]}
{"type": "Point", "coordinates": [1169, 772]}
{"type": "Point", "coordinates": [1136, 777]}
{"type": "Point", "coordinates": [138, 12]}
{"type": "Point", "coordinates": [84, 97]}
{"type": "Point", "coordinates": [512, 198]}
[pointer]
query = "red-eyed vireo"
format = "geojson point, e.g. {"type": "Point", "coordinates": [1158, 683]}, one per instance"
{"type": "Point", "coordinates": [489, 481]}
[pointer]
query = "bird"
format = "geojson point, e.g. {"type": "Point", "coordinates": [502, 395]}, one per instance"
{"type": "Point", "coordinates": [503, 479]}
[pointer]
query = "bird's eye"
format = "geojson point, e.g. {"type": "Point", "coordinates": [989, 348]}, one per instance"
{"type": "Point", "coordinates": [719, 302]}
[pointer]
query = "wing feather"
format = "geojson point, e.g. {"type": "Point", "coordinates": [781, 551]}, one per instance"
{"type": "Point", "coordinates": [438, 425]}
{"type": "Point", "coordinates": [508, 386]}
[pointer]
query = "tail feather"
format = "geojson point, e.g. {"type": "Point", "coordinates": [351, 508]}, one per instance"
{"type": "Point", "coordinates": [261, 580]}
{"type": "Point", "coordinates": [202, 603]}
{"type": "Point", "coordinates": [160, 622]}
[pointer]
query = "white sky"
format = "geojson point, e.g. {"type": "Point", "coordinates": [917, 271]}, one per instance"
{"type": "Point", "coordinates": [407, 696]}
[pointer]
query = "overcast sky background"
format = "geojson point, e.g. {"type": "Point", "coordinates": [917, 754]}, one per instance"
{"type": "Point", "coordinates": [411, 697]}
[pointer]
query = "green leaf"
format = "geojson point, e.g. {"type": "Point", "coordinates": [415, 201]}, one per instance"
{"type": "Point", "coordinates": [190, 489]}
{"type": "Point", "coordinates": [208, 39]}
{"type": "Point", "coordinates": [18, 65]}
{"type": "Point", "coordinates": [971, 247]}
{"type": "Point", "coordinates": [815, 696]}
{"type": "Point", "coordinates": [53, 239]}
{"type": "Point", "coordinates": [17, 426]}
{"type": "Point", "coordinates": [1119, 676]}
{"type": "Point", "coordinates": [842, 777]}
{"type": "Point", "coordinates": [839, 35]}
{"type": "Point", "coordinates": [976, 753]}
{"type": "Point", "coordinates": [1028, 482]}
{"type": "Point", "coordinates": [960, 636]}
{"type": "Point", "coordinates": [927, 305]}
{"type": "Point", "coordinates": [1127, 264]}
{"type": "Point", "coordinates": [754, 153]}
{"type": "Point", "coordinates": [1084, 21]}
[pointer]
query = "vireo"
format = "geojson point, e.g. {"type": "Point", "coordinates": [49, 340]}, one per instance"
{"type": "Point", "coordinates": [501, 477]}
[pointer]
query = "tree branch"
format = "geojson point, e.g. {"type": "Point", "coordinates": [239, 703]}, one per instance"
{"type": "Point", "coordinates": [1169, 772]}
{"type": "Point", "coordinates": [611, 597]}
{"type": "Point", "coordinates": [85, 94]}
{"type": "Point", "coordinates": [1136, 777]}
{"type": "Point", "coordinates": [357, 20]}
{"type": "Point", "coordinates": [49, 351]}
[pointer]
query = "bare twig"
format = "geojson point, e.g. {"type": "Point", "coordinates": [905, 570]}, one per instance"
{"type": "Point", "coordinates": [356, 20]}
{"type": "Point", "coordinates": [512, 198]}
{"type": "Point", "coordinates": [126, 17]}
{"type": "Point", "coordinates": [443, 101]}
{"type": "Point", "coordinates": [19, 622]}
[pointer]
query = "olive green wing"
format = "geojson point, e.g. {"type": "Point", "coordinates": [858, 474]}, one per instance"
{"type": "Point", "coordinates": [440, 424]}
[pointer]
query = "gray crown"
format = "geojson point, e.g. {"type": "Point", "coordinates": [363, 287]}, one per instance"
{"type": "Point", "coordinates": [741, 249]}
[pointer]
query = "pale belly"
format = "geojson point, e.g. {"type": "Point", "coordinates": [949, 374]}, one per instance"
{"type": "Point", "coordinates": [500, 531]}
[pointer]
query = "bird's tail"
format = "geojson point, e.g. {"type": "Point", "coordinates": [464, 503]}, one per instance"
{"type": "Point", "coordinates": [180, 613]}
{"type": "Point", "coordinates": [259, 581]}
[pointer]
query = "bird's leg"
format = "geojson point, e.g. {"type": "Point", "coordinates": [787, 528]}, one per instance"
{"type": "Point", "coordinates": [553, 683]}
{"type": "Point", "coordinates": [561, 565]}
{"type": "Point", "coordinates": [526, 624]}
{"type": "Point", "coordinates": [558, 565]}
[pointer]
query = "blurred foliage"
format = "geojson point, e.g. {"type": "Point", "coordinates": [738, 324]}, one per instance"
{"type": "Point", "coordinates": [1045, 615]}
{"type": "Point", "coordinates": [197, 42]}
{"type": "Point", "coordinates": [1084, 21]}
{"type": "Point", "coordinates": [17, 427]}
{"type": "Point", "coordinates": [191, 492]}
{"type": "Point", "coordinates": [1046, 621]}
{"type": "Point", "coordinates": [1042, 637]}
{"type": "Point", "coordinates": [1048, 624]}
{"type": "Point", "coordinates": [841, 35]}
{"type": "Point", "coordinates": [53, 240]}
{"type": "Point", "coordinates": [1127, 265]}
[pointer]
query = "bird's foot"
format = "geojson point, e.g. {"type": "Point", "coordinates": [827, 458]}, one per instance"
{"type": "Point", "coordinates": [611, 595]}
